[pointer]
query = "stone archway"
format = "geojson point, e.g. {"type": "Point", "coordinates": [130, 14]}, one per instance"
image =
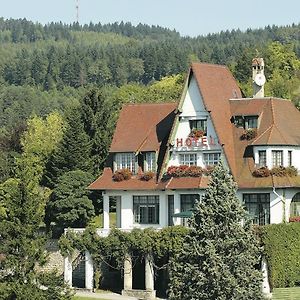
{"type": "Point", "coordinates": [295, 206]}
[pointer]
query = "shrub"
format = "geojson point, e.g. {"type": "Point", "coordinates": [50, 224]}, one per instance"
{"type": "Point", "coordinates": [196, 133]}
{"type": "Point", "coordinates": [187, 171]}
{"type": "Point", "coordinates": [249, 134]}
{"type": "Point", "coordinates": [291, 171]}
{"type": "Point", "coordinates": [147, 176]}
{"type": "Point", "coordinates": [194, 171]}
{"type": "Point", "coordinates": [122, 174]}
{"type": "Point", "coordinates": [261, 172]}
{"type": "Point", "coordinates": [279, 171]}
{"type": "Point", "coordinates": [282, 249]}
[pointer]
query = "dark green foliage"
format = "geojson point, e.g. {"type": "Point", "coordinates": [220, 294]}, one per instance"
{"type": "Point", "coordinates": [282, 249]}
{"type": "Point", "coordinates": [218, 258]}
{"type": "Point", "coordinates": [73, 152]}
{"type": "Point", "coordinates": [98, 115]}
{"type": "Point", "coordinates": [71, 203]}
{"type": "Point", "coordinates": [22, 246]}
{"type": "Point", "coordinates": [162, 244]}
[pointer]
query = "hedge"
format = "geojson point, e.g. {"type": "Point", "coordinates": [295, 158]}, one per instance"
{"type": "Point", "coordinates": [282, 249]}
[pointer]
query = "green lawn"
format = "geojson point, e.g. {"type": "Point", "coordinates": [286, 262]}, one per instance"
{"type": "Point", "coordinates": [286, 294]}
{"type": "Point", "coordinates": [85, 298]}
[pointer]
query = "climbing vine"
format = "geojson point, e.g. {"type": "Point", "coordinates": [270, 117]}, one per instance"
{"type": "Point", "coordinates": [138, 243]}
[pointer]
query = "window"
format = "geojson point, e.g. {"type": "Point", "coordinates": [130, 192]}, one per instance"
{"type": "Point", "coordinates": [239, 121]}
{"type": "Point", "coordinates": [251, 122]}
{"type": "Point", "coordinates": [187, 202]}
{"type": "Point", "coordinates": [199, 124]}
{"type": "Point", "coordinates": [170, 209]}
{"type": "Point", "coordinates": [277, 158]}
{"type": "Point", "coordinates": [262, 158]}
{"type": "Point", "coordinates": [150, 161]}
{"type": "Point", "coordinates": [211, 159]}
{"type": "Point", "coordinates": [146, 209]}
{"type": "Point", "coordinates": [258, 206]}
{"type": "Point", "coordinates": [188, 159]}
{"type": "Point", "coordinates": [295, 206]}
{"type": "Point", "coordinates": [246, 122]}
{"type": "Point", "coordinates": [290, 161]}
{"type": "Point", "coordinates": [125, 161]}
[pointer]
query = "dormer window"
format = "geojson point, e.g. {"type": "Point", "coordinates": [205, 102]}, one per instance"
{"type": "Point", "coordinates": [200, 124]}
{"type": "Point", "coordinates": [150, 161]}
{"type": "Point", "coordinates": [251, 122]}
{"type": "Point", "coordinates": [246, 122]}
{"type": "Point", "coordinates": [277, 158]}
{"type": "Point", "coordinates": [125, 161]}
{"type": "Point", "coordinates": [262, 158]}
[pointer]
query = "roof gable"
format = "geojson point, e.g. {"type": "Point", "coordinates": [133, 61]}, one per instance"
{"type": "Point", "coordinates": [142, 127]}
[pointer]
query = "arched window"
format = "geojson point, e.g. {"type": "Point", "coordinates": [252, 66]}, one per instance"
{"type": "Point", "coordinates": [295, 206]}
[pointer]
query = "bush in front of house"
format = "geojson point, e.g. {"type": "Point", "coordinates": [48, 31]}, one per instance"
{"type": "Point", "coordinates": [282, 250]}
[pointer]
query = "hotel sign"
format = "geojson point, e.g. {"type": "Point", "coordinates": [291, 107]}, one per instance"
{"type": "Point", "coordinates": [198, 142]}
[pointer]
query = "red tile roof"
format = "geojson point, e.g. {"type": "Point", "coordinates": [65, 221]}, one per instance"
{"type": "Point", "coordinates": [141, 127]}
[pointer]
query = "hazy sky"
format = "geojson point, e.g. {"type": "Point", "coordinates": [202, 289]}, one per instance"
{"type": "Point", "coordinates": [189, 17]}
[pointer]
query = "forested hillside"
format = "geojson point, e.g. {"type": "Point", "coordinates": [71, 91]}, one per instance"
{"type": "Point", "coordinates": [62, 86]}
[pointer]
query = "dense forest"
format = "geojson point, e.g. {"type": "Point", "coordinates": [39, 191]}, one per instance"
{"type": "Point", "coordinates": [61, 89]}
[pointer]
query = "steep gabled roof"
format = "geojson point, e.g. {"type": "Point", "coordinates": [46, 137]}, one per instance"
{"type": "Point", "coordinates": [142, 127]}
{"type": "Point", "coordinates": [217, 85]}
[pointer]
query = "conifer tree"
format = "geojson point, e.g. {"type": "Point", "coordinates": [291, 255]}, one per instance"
{"type": "Point", "coordinates": [73, 152]}
{"type": "Point", "coordinates": [220, 254]}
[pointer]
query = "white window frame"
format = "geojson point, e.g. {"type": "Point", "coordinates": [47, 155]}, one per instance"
{"type": "Point", "coordinates": [262, 158]}
{"type": "Point", "coordinates": [188, 159]}
{"type": "Point", "coordinates": [209, 159]}
{"type": "Point", "coordinates": [276, 156]}
{"type": "Point", "coordinates": [125, 160]}
{"type": "Point", "coordinates": [150, 162]}
{"type": "Point", "coordinates": [146, 209]}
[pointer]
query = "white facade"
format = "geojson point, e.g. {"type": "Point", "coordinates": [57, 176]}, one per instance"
{"type": "Point", "coordinates": [295, 155]}
{"type": "Point", "coordinates": [276, 208]}
{"type": "Point", "coordinates": [193, 109]}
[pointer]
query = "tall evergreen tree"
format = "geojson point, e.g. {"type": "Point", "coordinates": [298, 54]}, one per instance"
{"type": "Point", "coordinates": [73, 152]}
{"type": "Point", "coordinates": [99, 117]}
{"type": "Point", "coordinates": [220, 254]}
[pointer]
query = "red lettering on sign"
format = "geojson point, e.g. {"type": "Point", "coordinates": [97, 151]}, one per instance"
{"type": "Point", "coordinates": [188, 142]}
{"type": "Point", "coordinates": [204, 140]}
{"type": "Point", "coordinates": [179, 142]}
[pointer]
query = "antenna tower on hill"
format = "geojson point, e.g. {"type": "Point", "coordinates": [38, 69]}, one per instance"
{"type": "Point", "coordinates": [77, 11]}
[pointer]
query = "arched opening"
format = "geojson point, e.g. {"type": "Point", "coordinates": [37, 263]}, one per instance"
{"type": "Point", "coordinates": [295, 206]}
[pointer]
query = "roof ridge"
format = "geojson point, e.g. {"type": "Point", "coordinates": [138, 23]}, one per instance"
{"type": "Point", "coordinates": [258, 137]}
{"type": "Point", "coordinates": [151, 104]}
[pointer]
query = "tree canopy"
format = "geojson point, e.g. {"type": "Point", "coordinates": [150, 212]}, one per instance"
{"type": "Point", "coordinates": [220, 254]}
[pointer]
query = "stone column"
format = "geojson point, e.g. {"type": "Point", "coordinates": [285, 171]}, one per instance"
{"type": "Point", "coordinates": [68, 270]}
{"type": "Point", "coordinates": [89, 271]}
{"type": "Point", "coordinates": [265, 284]}
{"type": "Point", "coordinates": [105, 211]}
{"type": "Point", "coordinates": [127, 273]}
{"type": "Point", "coordinates": [149, 273]}
{"type": "Point", "coordinates": [176, 221]}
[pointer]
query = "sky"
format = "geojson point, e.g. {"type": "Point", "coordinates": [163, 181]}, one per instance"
{"type": "Point", "coordinates": [189, 17]}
